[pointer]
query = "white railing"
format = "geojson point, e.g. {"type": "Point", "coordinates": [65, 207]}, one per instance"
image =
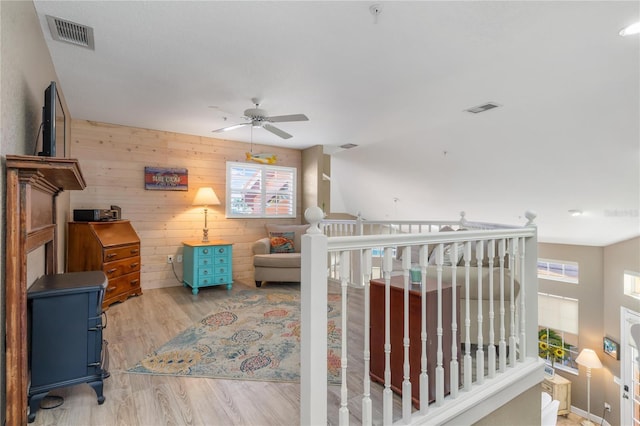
{"type": "Point", "coordinates": [478, 282]}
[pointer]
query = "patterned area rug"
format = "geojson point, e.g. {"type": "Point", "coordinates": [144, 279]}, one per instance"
{"type": "Point", "coordinates": [253, 335]}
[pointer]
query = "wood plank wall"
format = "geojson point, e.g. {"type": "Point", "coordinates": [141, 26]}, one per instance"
{"type": "Point", "coordinates": [112, 159]}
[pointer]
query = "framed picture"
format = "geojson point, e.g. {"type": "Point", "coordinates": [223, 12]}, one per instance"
{"type": "Point", "coordinates": [166, 179]}
{"type": "Point", "coordinates": [549, 371]}
{"type": "Point", "coordinates": [611, 348]}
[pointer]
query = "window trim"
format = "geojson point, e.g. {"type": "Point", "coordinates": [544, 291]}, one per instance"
{"type": "Point", "coordinates": [627, 277]}
{"type": "Point", "coordinates": [562, 277]}
{"type": "Point", "coordinates": [263, 169]}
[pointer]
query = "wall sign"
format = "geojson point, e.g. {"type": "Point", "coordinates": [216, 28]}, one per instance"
{"type": "Point", "coordinates": [166, 179]}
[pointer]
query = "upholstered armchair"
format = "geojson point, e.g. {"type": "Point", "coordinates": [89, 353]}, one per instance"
{"type": "Point", "coordinates": [276, 258]}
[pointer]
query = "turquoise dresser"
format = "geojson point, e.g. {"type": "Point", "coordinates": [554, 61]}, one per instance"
{"type": "Point", "coordinates": [207, 264]}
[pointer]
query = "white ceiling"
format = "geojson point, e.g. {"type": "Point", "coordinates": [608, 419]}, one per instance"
{"type": "Point", "coordinates": [566, 137]}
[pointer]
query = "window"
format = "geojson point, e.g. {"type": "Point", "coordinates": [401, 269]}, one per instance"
{"type": "Point", "coordinates": [255, 191]}
{"type": "Point", "coordinates": [632, 284]}
{"type": "Point", "coordinates": [558, 331]}
{"type": "Point", "coordinates": [558, 270]}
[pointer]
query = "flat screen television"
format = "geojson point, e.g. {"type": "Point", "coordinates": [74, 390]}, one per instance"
{"type": "Point", "coordinates": [53, 128]}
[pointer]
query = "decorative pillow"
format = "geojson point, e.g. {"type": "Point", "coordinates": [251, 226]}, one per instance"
{"type": "Point", "coordinates": [282, 242]}
{"type": "Point", "coordinates": [298, 230]}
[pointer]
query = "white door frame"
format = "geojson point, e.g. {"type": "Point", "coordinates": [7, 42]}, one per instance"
{"type": "Point", "coordinates": [627, 319]}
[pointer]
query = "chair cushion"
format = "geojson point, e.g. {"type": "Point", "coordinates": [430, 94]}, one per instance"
{"type": "Point", "coordinates": [277, 260]}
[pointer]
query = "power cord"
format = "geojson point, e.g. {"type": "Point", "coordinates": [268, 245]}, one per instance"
{"type": "Point", "coordinates": [35, 146]}
{"type": "Point", "coordinates": [173, 268]}
{"type": "Point", "coordinates": [604, 413]}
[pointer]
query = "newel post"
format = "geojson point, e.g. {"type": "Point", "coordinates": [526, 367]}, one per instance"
{"type": "Point", "coordinates": [313, 322]}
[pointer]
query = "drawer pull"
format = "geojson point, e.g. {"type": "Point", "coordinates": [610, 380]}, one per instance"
{"type": "Point", "coordinates": [133, 282]}
{"type": "Point", "coordinates": [205, 251]}
{"type": "Point", "coordinates": [205, 282]}
{"type": "Point", "coordinates": [110, 255]}
{"type": "Point", "coordinates": [220, 250]}
{"type": "Point", "coordinates": [134, 265]}
{"type": "Point", "coordinates": [205, 272]}
{"type": "Point", "coordinates": [134, 251]}
{"type": "Point", "coordinates": [94, 364]}
{"type": "Point", "coordinates": [112, 270]}
{"type": "Point", "coordinates": [110, 289]}
{"type": "Point", "coordinates": [221, 260]}
{"type": "Point", "coordinates": [205, 262]}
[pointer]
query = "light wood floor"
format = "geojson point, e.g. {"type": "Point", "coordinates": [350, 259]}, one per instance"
{"type": "Point", "coordinates": [141, 324]}
{"type": "Point", "coordinates": [138, 326]}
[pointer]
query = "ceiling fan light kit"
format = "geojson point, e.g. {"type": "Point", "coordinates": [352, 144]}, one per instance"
{"type": "Point", "coordinates": [260, 118]}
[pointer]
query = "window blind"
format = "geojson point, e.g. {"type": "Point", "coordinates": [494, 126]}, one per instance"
{"type": "Point", "coordinates": [558, 313]}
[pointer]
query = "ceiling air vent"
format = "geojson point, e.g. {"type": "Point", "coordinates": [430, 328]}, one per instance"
{"type": "Point", "coordinates": [483, 107]}
{"type": "Point", "coordinates": [348, 145]}
{"type": "Point", "coordinates": [70, 32]}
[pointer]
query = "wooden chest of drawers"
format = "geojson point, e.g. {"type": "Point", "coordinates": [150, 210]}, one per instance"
{"type": "Point", "coordinates": [112, 247]}
{"type": "Point", "coordinates": [559, 388]}
{"type": "Point", "coordinates": [207, 264]}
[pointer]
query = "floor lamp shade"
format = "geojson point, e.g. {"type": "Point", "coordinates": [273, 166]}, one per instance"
{"type": "Point", "coordinates": [206, 196]}
{"type": "Point", "coordinates": [589, 359]}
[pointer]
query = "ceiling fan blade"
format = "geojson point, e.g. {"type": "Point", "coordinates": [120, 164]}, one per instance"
{"type": "Point", "coordinates": [235, 126]}
{"type": "Point", "coordinates": [290, 117]}
{"type": "Point", "coordinates": [276, 131]}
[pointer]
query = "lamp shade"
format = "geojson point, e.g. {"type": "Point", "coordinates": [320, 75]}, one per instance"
{"type": "Point", "coordinates": [206, 197]}
{"type": "Point", "coordinates": [588, 358]}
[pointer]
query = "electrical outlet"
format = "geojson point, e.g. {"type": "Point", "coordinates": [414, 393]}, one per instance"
{"type": "Point", "coordinates": [607, 406]}
{"type": "Point", "coordinates": [179, 258]}
{"type": "Point", "coordinates": [170, 258]}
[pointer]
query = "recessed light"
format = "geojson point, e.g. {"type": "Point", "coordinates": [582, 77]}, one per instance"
{"type": "Point", "coordinates": [630, 30]}
{"type": "Point", "coordinates": [574, 212]}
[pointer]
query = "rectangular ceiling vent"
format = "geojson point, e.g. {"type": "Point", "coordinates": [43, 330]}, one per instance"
{"type": "Point", "coordinates": [70, 32]}
{"type": "Point", "coordinates": [348, 145]}
{"type": "Point", "coordinates": [483, 107]}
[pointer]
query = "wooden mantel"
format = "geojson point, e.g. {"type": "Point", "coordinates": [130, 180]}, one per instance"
{"type": "Point", "coordinates": [32, 186]}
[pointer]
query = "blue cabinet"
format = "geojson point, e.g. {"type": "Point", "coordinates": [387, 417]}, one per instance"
{"type": "Point", "coordinates": [65, 334]}
{"type": "Point", "coordinates": [207, 264]}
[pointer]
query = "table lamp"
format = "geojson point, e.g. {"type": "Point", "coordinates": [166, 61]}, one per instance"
{"type": "Point", "coordinates": [206, 197]}
{"type": "Point", "coordinates": [589, 359]}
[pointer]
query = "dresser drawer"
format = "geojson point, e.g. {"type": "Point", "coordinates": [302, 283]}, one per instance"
{"type": "Point", "coordinates": [204, 251]}
{"type": "Point", "coordinates": [118, 253]}
{"type": "Point", "coordinates": [221, 270]}
{"type": "Point", "coordinates": [547, 387]}
{"type": "Point", "coordinates": [121, 267]}
{"type": "Point", "coordinates": [206, 271]}
{"type": "Point", "coordinates": [222, 250]}
{"type": "Point", "coordinates": [122, 284]}
{"type": "Point", "coordinates": [205, 261]}
{"type": "Point", "coordinates": [221, 261]}
{"type": "Point", "coordinates": [207, 280]}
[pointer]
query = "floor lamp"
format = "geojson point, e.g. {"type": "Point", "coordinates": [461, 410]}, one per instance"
{"type": "Point", "coordinates": [206, 197]}
{"type": "Point", "coordinates": [589, 359]}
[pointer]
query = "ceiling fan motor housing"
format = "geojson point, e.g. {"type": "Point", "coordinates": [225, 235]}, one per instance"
{"type": "Point", "coordinates": [255, 113]}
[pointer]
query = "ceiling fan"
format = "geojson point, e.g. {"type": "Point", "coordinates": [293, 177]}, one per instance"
{"type": "Point", "coordinates": [260, 118]}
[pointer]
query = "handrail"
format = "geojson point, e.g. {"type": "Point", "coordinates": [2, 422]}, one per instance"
{"type": "Point", "coordinates": [512, 319]}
